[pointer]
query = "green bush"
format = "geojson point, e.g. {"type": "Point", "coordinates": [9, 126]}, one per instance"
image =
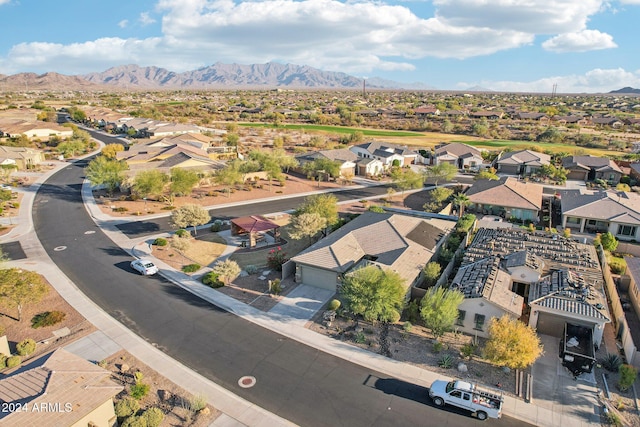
{"type": "Point", "coordinates": [432, 273]}
{"type": "Point", "coordinates": [627, 376]}
{"type": "Point", "coordinates": [48, 318]}
{"type": "Point", "coordinates": [26, 347]}
{"type": "Point", "coordinates": [160, 241]}
{"type": "Point", "coordinates": [334, 304]}
{"type": "Point", "coordinates": [191, 268]}
{"type": "Point", "coordinates": [413, 311]}
{"type": "Point", "coordinates": [407, 326]}
{"type": "Point", "coordinates": [216, 226]}
{"type": "Point", "coordinates": [3, 361]}
{"type": "Point", "coordinates": [182, 233]}
{"type": "Point", "coordinates": [211, 279]}
{"type": "Point", "coordinates": [126, 407]}
{"type": "Point", "coordinates": [139, 390]}
{"type": "Point", "coordinates": [135, 421]}
{"type": "Point", "coordinates": [617, 265]}
{"type": "Point", "coordinates": [468, 350]}
{"type": "Point", "coordinates": [438, 347]}
{"type": "Point", "coordinates": [13, 361]}
{"type": "Point", "coordinates": [153, 417]}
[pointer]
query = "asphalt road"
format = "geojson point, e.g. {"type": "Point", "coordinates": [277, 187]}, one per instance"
{"type": "Point", "coordinates": [299, 383]}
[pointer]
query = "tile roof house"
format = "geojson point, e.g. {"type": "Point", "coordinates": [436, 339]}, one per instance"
{"type": "Point", "coordinates": [391, 241]}
{"type": "Point", "coordinates": [588, 168]}
{"type": "Point", "coordinates": [462, 156]}
{"type": "Point", "coordinates": [617, 212]}
{"type": "Point", "coordinates": [551, 279]}
{"type": "Point", "coordinates": [59, 389]}
{"type": "Point", "coordinates": [32, 129]}
{"type": "Point", "coordinates": [385, 152]}
{"type": "Point", "coordinates": [506, 197]}
{"type": "Point", "coordinates": [23, 157]}
{"type": "Point", "coordinates": [344, 156]}
{"type": "Point", "coordinates": [523, 162]}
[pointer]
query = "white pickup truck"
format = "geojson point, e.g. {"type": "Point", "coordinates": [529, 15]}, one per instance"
{"type": "Point", "coordinates": [483, 403]}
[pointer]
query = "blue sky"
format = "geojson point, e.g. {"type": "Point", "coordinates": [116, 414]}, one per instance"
{"type": "Point", "coordinates": [505, 45]}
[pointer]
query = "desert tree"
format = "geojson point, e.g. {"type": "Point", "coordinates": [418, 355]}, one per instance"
{"type": "Point", "coordinates": [440, 172]}
{"type": "Point", "coordinates": [182, 181]}
{"type": "Point", "coordinates": [190, 216]}
{"type": "Point", "coordinates": [111, 151]}
{"type": "Point", "coordinates": [439, 309]}
{"type": "Point", "coordinates": [406, 179]}
{"type": "Point", "coordinates": [431, 273]}
{"type": "Point", "coordinates": [103, 171]}
{"type": "Point", "coordinates": [230, 176]}
{"type": "Point", "coordinates": [149, 183]}
{"type": "Point", "coordinates": [19, 288]}
{"type": "Point", "coordinates": [512, 343]}
{"type": "Point", "coordinates": [373, 293]}
{"type": "Point", "coordinates": [306, 224]}
{"type": "Point", "coordinates": [226, 270]}
{"type": "Point", "coordinates": [489, 174]}
{"type": "Point", "coordinates": [325, 205]}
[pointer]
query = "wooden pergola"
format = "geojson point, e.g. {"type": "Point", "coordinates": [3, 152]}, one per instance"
{"type": "Point", "coordinates": [253, 226]}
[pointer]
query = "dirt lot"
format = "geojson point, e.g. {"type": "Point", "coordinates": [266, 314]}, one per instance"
{"type": "Point", "coordinates": [207, 195]}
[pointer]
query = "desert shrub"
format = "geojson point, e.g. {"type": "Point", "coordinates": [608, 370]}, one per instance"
{"type": "Point", "coordinates": [48, 318]}
{"type": "Point", "coordinates": [3, 361]}
{"type": "Point", "coordinates": [26, 347]}
{"type": "Point", "coordinates": [275, 287]}
{"type": "Point", "coordinates": [135, 421]}
{"type": "Point", "coordinates": [627, 376]}
{"type": "Point", "coordinates": [617, 265]}
{"type": "Point", "coordinates": [197, 403]}
{"type": "Point", "coordinates": [139, 390]}
{"type": "Point", "coordinates": [182, 233]}
{"type": "Point", "coordinates": [360, 338]}
{"type": "Point", "coordinates": [216, 226]}
{"type": "Point", "coordinates": [13, 361]}
{"type": "Point", "coordinates": [191, 268]}
{"type": "Point", "coordinates": [276, 258]}
{"type": "Point", "coordinates": [407, 326]}
{"type": "Point", "coordinates": [211, 279]}
{"type": "Point", "coordinates": [413, 311]}
{"type": "Point", "coordinates": [153, 417]}
{"type": "Point", "coordinates": [251, 269]}
{"type": "Point", "coordinates": [611, 362]}
{"type": "Point", "coordinates": [120, 209]}
{"type": "Point", "coordinates": [446, 361]}
{"type": "Point", "coordinates": [614, 419]}
{"type": "Point", "coordinates": [126, 407]}
{"type": "Point", "coordinates": [468, 350]}
{"type": "Point", "coordinates": [334, 304]}
{"type": "Point", "coordinates": [160, 241]}
{"type": "Point", "coordinates": [438, 347]}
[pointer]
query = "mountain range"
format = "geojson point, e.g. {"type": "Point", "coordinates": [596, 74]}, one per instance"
{"type": "Point", "coordinates": [626, 90]}
{"type": "Point", "coordinates": [216, 76]}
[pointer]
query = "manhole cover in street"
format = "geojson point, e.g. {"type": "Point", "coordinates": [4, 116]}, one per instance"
{"type": "Point", "coordinates": [59, 248]}
{"type": "Point", "coordinates": [247, 381]}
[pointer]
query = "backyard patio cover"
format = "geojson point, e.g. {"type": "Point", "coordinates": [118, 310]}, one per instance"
{"type": "Point", "coordinates": [251, 224]}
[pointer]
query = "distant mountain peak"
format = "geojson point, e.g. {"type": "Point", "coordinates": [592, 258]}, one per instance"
{"type": "Point", "coordinates": [626, 90]}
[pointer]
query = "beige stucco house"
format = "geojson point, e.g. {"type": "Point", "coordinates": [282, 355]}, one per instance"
{"type": "Point", "coordinates": [59, 389]}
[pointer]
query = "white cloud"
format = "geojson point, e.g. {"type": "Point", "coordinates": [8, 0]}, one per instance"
{"type": "Point", "coordinates": [123, 23]}
{"type": "Point", "coordinates": [4, 2]}
{"type": "Point", "coordinates": [581, 41]}
{"type": "Point", "coordinates": [145, 19]}
{"type": "Point", "coordinates": [356, 37]}
{"type": "Point", "coordinates": [597, 80]}
{"type": "Point", "coordinates": [630, 2]}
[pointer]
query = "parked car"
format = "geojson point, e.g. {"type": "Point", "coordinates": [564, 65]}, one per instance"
{"type": "Point", "coordinates": [482, 403]}
{"type": "Point", "coordinates": [144, 267]}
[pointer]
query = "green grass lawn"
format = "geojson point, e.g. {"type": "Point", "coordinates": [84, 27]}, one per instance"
{"type": "Point", "coordinates": [334, 129]}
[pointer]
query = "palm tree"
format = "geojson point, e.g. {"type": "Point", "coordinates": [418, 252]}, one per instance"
{"type": "Point", "coordinates": [461, 201]}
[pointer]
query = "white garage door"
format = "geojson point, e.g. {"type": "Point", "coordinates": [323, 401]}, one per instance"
{"type": "Point", "coordinates": [319, 278]}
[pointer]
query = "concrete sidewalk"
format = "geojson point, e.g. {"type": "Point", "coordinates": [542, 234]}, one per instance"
{"type": "Point", "coordinates": [287, 319]}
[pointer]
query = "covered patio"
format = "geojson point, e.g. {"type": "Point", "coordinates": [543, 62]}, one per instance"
{"type": "Point", "coordinates": [256, 229]}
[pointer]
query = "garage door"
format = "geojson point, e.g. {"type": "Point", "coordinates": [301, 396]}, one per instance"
{"type": "Point", "coordinates": [548, 324]}
{"type": "Point", "coordinates": [319, 278]}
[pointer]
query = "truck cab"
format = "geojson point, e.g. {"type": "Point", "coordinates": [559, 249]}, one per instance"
{"type": "Point", "coordinates": [483, 403]}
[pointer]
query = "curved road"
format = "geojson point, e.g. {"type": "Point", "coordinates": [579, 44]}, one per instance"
{"type": "Point", "coordinates": [299, 383]}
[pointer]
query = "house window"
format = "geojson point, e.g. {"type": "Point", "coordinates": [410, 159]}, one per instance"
{"type": "Point", "coordinates": [573, 220]}
{"type": "Point", "coordinates": [460, 319]}
{"type": "Point", "coordinates": [626, 230]}
{"type": "Point", "coordinates": [478, 320]}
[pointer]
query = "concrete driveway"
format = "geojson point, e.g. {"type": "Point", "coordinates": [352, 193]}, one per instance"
{"type": "Point", "coordinates": [555, 388]}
